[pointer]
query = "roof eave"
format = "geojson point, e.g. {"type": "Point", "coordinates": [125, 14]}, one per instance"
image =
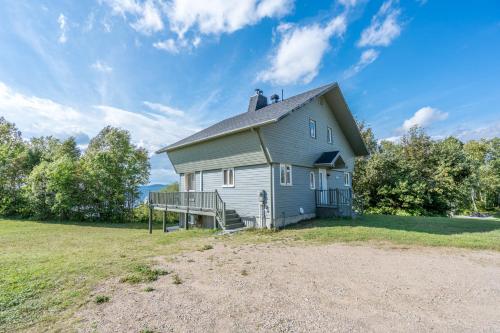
{"type": "Point", "coordinates": [242, 129]}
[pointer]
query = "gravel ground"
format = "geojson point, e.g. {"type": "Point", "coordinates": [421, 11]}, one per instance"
{"type": "Point", "coordinates": [329, 288]}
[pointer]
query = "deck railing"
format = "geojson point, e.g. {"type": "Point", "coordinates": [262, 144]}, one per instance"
{"type": "Point", "coordinates": [191, 202]}
{"type": "Point", "coordinates": [333, 198]}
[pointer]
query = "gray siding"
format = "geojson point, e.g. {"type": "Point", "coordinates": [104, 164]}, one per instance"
{"type": "Point", "coordinates": [288, 141]}
{"type": "Point", "coordinates": [289, 199]}
{"type": "Point", "coordinates": [244, 196]}
{"type": "Point", "coordinates": [229, 151]}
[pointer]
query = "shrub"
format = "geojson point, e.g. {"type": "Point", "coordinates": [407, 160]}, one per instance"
{"type": "Point", "coordinates": [99, 299]}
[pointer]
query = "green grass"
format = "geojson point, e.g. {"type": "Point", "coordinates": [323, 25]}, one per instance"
{"type": "Point", "coordinates": [48, 270]}
{"type": "Point", "coordinates": [99, 299]}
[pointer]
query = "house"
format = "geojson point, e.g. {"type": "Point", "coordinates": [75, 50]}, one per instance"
{"type": "Point", "coordinates": [275, 164]}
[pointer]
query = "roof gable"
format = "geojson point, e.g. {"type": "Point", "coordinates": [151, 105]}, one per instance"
{"type": "Point", "coordinates": [269, 114]}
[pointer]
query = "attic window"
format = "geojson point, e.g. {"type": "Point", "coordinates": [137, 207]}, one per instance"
{"type": "Point", "coordinates": [312, 128]}
{"type": "Point", "coordinates": [329, 135]}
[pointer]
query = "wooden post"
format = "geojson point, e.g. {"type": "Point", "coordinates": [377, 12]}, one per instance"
{"type": "Point", "coordinates": [187, 213]}
{"type": "Point", "coordinates": [150, 220]}
{"type": "Point", "coordinates": [165, 220]}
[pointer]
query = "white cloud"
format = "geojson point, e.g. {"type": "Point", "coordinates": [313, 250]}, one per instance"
{"type": "Point", "coordinates": [424, 117]}
{"type": "Point", "coordinates": [489, 131]}
{"type": "Point", "coordinates": [101, 67]}
{"type": "Point", "coordinates": [348, 3]}
{"type": "Point", "coordinates": [300, 50]}
{"type": "Point", "coordinates": [62, 21]}
{"type": "Point", "coordinates": [367, 57]}
{"type": "Point", "coordinates": [216, 17]}
{"type": "Point", "coordinates": [36, 116]}
{"type": "Point", "coordinates": [212, 17]}
{"type": "Point", "coordinates": [147, 14]}
{"type": "Point", "coordinates": [384, 27]}
{"type": "Point", "coordinates": [169, 45]}
{"type": "Point", "coordinates": [164, 109]}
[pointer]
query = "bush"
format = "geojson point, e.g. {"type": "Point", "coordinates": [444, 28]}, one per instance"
{"type": "Point", "coordinates": [99, 299]}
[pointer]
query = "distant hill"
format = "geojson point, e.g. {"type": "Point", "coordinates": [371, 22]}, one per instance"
{"type": "Point", "coordinates": [149, 188]}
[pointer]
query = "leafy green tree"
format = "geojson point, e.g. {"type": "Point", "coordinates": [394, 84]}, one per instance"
{"type": "Point", "coordinates": [54, 185]}
{"type": "Point", "coordinates": [113, 169]}
{"type": "Point", "coordinates": [13, 168]}
{"type": "Point", "coordinates": [484, 183]}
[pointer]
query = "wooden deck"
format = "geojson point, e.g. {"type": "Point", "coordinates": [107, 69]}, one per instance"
{"type": "Point", "coordinates": [199, 203]}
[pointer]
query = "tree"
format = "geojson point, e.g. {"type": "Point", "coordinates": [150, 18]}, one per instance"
{"type": "Point", "coordinates": [13, 168]}
{"type": "Point", "coordinates": [54, 184]}
{"type": "Point", "coordinates": [113, 169]}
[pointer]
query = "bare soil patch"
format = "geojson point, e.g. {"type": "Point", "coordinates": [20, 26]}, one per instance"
{"type": "Point", "coordinates": [328, 288]}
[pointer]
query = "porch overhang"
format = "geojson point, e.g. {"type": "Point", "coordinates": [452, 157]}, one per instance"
{"type": "Point", "coordinates": [330, 159]}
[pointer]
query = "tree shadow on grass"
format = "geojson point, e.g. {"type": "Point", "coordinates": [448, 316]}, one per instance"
{"type": "Point", "coordinates": [430, 225]}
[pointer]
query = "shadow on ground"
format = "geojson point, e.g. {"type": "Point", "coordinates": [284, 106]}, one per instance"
{"type": "Point", "coordinates": [431, 225]}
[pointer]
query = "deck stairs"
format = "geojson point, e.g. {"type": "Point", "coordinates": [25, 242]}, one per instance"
{"type": "Point", "coordinates": [233, 220]}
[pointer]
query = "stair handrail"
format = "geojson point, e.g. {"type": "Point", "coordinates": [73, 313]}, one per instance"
{"type": "Point", "coordinates": [220, 210]}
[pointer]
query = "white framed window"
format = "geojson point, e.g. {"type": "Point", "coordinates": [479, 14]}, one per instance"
{"type": "Point", "coordinates": [329, 135]}
{"type": "Point", "coordinates": [347, 178]}
{"type": "Point", "coordinates": [285, 174]}
{"type": "Point", "coordinates": [312, 180]}
{"type": "Point", "coordinates": [190, 182]}
{"type": "Point", "coordinates": [228, 177]}
{"type": "Point", "coordinates": [312, 128]}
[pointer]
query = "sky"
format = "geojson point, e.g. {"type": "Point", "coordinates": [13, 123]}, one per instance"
{"type": "Point", "coordinates": [164, 69]}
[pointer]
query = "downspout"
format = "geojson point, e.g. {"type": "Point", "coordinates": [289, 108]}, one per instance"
{"type": "Point", "coordinates": [271, 173]}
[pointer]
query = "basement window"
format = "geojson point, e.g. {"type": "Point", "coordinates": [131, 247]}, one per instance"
{"type": "Point", "coordinates": [228, 177]}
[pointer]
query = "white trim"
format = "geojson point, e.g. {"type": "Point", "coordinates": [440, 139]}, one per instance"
{"type": "Point", "coordinates": [224, 178]}
{"type": "Point", "coordinates": [288, 182]}
{"type": "Point", "coordinates": [347, 180]}
{"type": "Point", "coordinates": [315, 128]}
{"type": "Point", "coordinates": [329, 135]}
{"type": "Point", "coordinates": [312, 185]}
{"type": "Point", "coordinates": [186, 187]}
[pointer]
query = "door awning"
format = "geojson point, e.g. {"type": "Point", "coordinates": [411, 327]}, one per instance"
{"type": "Point", "coordinates": [330, 159]}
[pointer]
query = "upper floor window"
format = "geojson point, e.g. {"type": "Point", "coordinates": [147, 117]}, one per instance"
{"type": "Point", "coordinates": [190, 182]}
{"type": "Point", "coordinates": [312, 128]}
{"type": "Point", "coordinates": [285, 174]}
{"type": "Point", "coordinates": [329, 135]}
{"type": "Point", "coordinates": [347, 178]}
{"type": "Point", "coordinates": [312, 180]}
{"type": "Point", "coordinates": [228, 177]}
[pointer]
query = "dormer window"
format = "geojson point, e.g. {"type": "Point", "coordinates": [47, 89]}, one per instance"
{"type": "Point", "coordinates": [329, 135]}
{"type": "Point", "coordinates": [312, 128]}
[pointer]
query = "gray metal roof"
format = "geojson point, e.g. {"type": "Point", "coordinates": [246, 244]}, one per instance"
{"type": "Point", "coordinates": [246, 120]}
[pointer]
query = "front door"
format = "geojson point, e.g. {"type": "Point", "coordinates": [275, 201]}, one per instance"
{"type": "Point", "coordinates": [323, 187]}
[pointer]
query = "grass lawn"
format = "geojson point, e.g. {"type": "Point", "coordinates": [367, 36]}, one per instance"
{"type": "Point", "coordinates": [49, 269]}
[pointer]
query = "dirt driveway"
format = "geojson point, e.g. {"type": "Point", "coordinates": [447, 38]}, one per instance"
{"type": "Point", "coordinates": [329, 288]}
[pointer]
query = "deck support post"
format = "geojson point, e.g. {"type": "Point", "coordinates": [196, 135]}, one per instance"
{"type": "Point", "coordinates": [165, 220]}
{"type": "Point", "coordinates": [150, 224]}
{"type": "Point", "coordinates": [187, 213]}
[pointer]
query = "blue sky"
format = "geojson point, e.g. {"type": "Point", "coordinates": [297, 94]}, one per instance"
{"type": "Point", "coordinates": [165, 68]}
